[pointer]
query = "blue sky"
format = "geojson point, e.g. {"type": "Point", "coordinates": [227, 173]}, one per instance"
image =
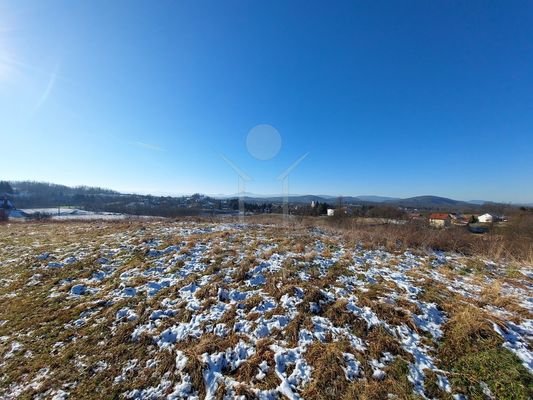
{"type": "Point", "coordinates": [390, 98]}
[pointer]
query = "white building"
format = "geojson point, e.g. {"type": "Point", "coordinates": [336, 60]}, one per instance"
{"type": "Point", "coordinates": [486, 218]}
{"type": "Point", "coordinates": [331, 212]}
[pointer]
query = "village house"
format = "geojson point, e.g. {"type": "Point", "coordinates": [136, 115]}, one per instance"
{"type": "Point", "coordinates": [458, 219]}
{"type": "Point", "coordinates": [439, 220]}
{"type": "Point", "coordinates": [486, 218]}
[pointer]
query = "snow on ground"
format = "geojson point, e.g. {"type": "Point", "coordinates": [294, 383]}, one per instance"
{"type": "Point", "coordinates": [192, 310]}
{"type": "Point", "coordinates": [66, 214]}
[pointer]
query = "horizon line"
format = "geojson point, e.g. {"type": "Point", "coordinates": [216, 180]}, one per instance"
{"type": "Point", "coordinates": [266, 196]}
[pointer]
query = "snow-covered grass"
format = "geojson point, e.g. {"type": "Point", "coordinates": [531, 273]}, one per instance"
{"type": "Point", "coordinates": [159, 309]}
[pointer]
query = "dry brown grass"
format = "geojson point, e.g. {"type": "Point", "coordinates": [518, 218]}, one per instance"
{"type": "Point", "coordinates": [249, 369]}
{"type": "Point", "coordinates": [492, 294]}
{"type": "Point", "coordinates": [39, 321]}
{"type": "Point", "coordinates": [299, 248]}
{"type": "Point", "coordinates": [326, 253]}
{"type": "Point", "coordinates": [293, 328]}
{"type": "Point", "coordinates": [381, 341]}
{"type": "Point", "coordinates": [390, 313]}
{"type": "Point", "coordinates": [195, 368]}
{"type": "Point", "coordinates": [514, 241]}
{"type": "Point", "coordinates": [329, 381]}
{"type": "Point", "coordinates": [467, 331]}
{"type": "Point", "coordinates": [229, 317]}
{"type": "Point", "coordinates": [339, 315]}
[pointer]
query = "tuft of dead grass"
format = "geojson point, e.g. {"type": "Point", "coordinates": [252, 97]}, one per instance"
{"type": "Point", "coordinates": [467, 331]}
{"type": "Point", "coordinates": [328, 381]}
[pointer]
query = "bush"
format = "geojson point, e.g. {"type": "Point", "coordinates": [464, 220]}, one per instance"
{"type": "Point", "coordinates": [512, 242]}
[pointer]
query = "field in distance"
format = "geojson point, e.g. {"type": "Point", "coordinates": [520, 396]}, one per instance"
{"type": "Point", "coordinates": [223, 310]}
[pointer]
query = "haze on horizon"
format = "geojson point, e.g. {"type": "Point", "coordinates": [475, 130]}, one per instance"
{"type": "Point", "coordinates": [397, 99]}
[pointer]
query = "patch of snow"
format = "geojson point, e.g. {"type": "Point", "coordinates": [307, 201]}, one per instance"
{"type": "Point", "coordinates": [126, 314]}
{"type": "Point", "coordinates": [300, 375]}
{"type": "Point", "coordinates": [430, 320]}
{"type": "Point", "coordinates": [353, 367]}
{"type": "Point", "coordinates": [517, 338]}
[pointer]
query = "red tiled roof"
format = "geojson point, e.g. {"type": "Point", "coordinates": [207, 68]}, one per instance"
{"type": "Point", "coordinates": [439, 216]}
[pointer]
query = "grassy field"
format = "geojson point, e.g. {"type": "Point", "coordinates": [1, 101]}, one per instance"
{"type": "Point", "coordinates": [184, 310]}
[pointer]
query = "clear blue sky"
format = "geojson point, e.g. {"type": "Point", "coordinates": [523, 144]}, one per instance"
{"type": "Point", "coordinates": [396, 98]}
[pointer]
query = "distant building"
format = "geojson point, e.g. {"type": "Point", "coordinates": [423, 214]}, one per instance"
{"type": "Point", "coordinates": [458, 219]}
{"type": "Point", "coordinates": [470, 218]}
{"type": "Point", "coordinates": [439, 220]}
{"type": "Point", "coordinates": [331, 212]}
{"type": "Point", "coordinates": [486, 218]}
{"type": "Point", "coordinates": [313, 204]}
{"type": "Point", "coordinates": [415, 216]}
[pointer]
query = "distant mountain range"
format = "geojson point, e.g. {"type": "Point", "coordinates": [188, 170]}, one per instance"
{"type": "Point", "coordinates": [426, 201]}
{"type": "Point", "coordinates": [376, 199]}
{"type": "Point", "coordinates": [429, 201]}
{"type": "Point", "coordinates": [38, 194]}
{"type": "Point", "coordinates": [297, 198]}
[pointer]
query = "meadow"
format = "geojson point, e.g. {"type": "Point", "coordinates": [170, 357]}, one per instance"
{"type": "Point", "coordinates": [230, 309]}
